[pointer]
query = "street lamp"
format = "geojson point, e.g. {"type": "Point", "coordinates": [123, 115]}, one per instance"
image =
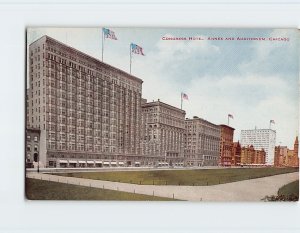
{"type": "Point", "coordinates": [38, 161]}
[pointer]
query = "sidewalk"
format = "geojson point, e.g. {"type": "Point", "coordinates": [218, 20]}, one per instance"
{"type": "Point", "coordinates": [247, 190]}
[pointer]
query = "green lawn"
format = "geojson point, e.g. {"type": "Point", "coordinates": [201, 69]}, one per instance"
{"type": "Point", "coordinates": [199, 177]}
{"type": "Point", "coordinates": [290, 189]}
{"type": "Point", "coordinates": [47, 190]}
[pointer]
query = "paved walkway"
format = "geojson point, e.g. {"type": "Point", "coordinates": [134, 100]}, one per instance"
{"type": "Point", "coordinates": [247, 190]}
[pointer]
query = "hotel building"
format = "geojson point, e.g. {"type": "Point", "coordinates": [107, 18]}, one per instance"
{"type": "Point", "coordinates": [88, 112]}
{"type": "Point", "coordinates": [162, 130]}
{"type": "Point", "coordinates": [260, 139]}
{"type": "Point", "coordinates": [201, 142]}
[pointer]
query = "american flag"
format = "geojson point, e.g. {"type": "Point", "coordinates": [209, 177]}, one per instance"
{"type": "Point", "coordinates": [136, 49]}
{"type": "Point", "coordinates": [230, 116]}
{"type": "Point", "coordinates": [109, 34]}
{"type": "Point", "coordinates": [184, 96]}
{"type": "Point", "coordinates": [272, 122]}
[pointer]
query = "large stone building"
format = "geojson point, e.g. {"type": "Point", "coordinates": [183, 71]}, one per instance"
{"type": "Point", "coordinates": [162, 130]}
{"type": "Point", "coordinates": [88, 112]}
{"type": "Point", "coordinates": [285, 157]}
{"type": "Point", "coordinates": [201, 142]}
{"type": "Point", "coordinates": [226, 146]}
{"type": "Point", "coordinates": [260, 139]}
{"type": "Point", "coordinates": [250, 156]}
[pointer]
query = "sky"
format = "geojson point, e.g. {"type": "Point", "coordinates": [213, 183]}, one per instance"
{"type": "Point", "coordinates": [255, 81]}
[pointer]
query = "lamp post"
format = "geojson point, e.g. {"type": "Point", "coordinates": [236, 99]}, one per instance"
{"type": "Point", "coordinates": [38, 161]}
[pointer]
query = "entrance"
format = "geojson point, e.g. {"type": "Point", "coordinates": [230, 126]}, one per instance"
{"type": "Point", "coordinates": [35, 157]}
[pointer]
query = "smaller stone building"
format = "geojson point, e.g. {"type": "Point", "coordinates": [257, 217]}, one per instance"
{"type": "Point", "coordinates": [32, 147]}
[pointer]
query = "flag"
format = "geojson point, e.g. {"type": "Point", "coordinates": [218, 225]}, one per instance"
{"type": "Point", "coordinates": [230, 116]}
{"type": "Point", "coordinates": [136, 49]}
{"type": "Point", "coordinates": [272, 122]}
{"type": "Point", "coordinates": [109, 34]}
{"type": "Point", "coordinates": [184, 96]}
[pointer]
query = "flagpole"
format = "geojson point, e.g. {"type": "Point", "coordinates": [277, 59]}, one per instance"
{"type": "Point", "coordinates": [102, 44]}
{"type": "Point", "coordinates": [228, 120]}
{"type": "Point", "coordinates": [130, 57]}
{"type": "Point", "coordinates": [181, 101]}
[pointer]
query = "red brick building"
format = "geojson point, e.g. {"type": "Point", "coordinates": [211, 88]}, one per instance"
{"type": "Point", "coordinates": [285, 157]}
{"type": "Point", "coordinates": [250, 156]}
{"type": "Point", "coordinates": [226, 146]}
{"type": "Point", "coordinates": [236, 154]}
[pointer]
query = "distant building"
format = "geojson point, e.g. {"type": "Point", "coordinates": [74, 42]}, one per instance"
{"type": "Point", "coordinates": [32, 147]}
{"type": "Point", "coordinates": [250, 156]}
{"type": "Point", "coordinates": [285, 157]}
{"type": "Point", "coordinates": [226, 145]}
{"type": "Point", "coordinates": [260, 139]}
{"type": "Point", "coordinates": [236, 155]}
{"type": "Point", "coordinates": [201, 142]}
{"type": "Point", "coordinates": [280, 156]}
{"type": "Point", "coordinates": [162, 130]}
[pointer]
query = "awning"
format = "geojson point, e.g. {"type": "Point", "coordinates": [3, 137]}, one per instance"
{"type": "Point", "coordinates": [90, 162]}
{"type": "Point", "coordinates": [98, 161]}
{"type": "Point", "coordinates": [81, 161]}
{"type": "Point", "coordinates": [72, 161]}
{"type": "Point", "coordinates": [113, 163]}
{"type": "Point", "coordinates": [121, 163]}
{"type": "Point", "coordinates": [63, 161]}
{"type": "Point", "coordinates": [106, 163]}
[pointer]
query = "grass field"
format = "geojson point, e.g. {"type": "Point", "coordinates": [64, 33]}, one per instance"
{"type": "Point", "coordinates": [290, 189]}
{"type": "Point", "coordinates": [47, 190]}
{"type": "Point", "coordinates": [199, 177]}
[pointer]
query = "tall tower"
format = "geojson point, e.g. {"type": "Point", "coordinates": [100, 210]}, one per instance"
{"type": "Point", "coordinates": [296, 147]}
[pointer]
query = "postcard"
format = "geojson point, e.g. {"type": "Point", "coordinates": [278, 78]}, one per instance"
{"type": "Point", "coordinates": [162, 114]}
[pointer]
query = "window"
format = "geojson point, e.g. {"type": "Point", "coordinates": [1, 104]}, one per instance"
{"type": "Point", "coordinates": [35, 139]}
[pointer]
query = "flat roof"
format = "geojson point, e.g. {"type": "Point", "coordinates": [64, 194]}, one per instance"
{"type": "Point", "coordinates": [48, 38]}
{"type": "Point", "coordinates": [158, 102]}
{"type": "Point", "coordinates": [33, 130]}
{"type": "Point", "coordinates": [258, 130]}
{"type": "Point", "coordinates": [201, 119]}
{"type": "Point", "coordinates": [227, 126]}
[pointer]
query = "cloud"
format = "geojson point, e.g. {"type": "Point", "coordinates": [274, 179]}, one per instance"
{"type": "Point", "coordinates": [273, 57]}
{"type": "Point", "coordinates": [254, 81]}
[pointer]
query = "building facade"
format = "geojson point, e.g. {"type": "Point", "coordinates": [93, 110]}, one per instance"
{"type": "Point", "coordinates": [236, 155]}
{"type": "Point", "coordinates": [162, 130]}
{"type": "Point", "coordinates": [260, 139]}
{"type": "Point", "coordinates": [88, 112]}
{"type": "Point", "coordinates": [250, 156]}
{"type": "Point", "coordinates": [226, 145]}
{"type": "Point", "coordinates": [32, 147]}
{"type": "Point", "coordinates": [285, 157]}
{"type": "Point", "coordinates": [201, 142]}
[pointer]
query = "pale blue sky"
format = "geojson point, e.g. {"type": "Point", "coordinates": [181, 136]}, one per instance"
{"type": "Point", "coordinates": [255, 81]}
